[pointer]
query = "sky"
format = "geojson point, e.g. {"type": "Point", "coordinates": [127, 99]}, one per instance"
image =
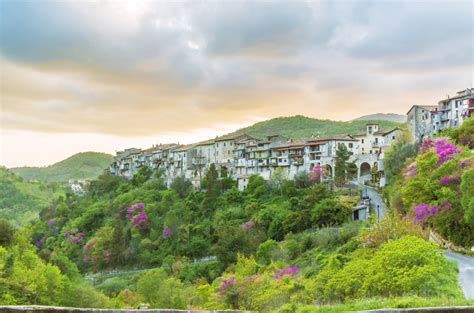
{"type": "Point", "coordinates": [107, 75]}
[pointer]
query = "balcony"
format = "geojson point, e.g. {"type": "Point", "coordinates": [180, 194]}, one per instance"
{"type": "Point", "coordinates": [263, 162]}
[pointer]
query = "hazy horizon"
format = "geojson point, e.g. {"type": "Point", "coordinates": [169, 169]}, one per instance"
{"type": "Point", "coordinates": [106, 75]}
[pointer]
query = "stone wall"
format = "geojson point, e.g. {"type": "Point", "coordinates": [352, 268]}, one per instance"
{"type": "Point", "coordinates": [54, 309]}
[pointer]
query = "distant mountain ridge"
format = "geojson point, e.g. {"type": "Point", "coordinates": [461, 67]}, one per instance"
{"type": "Point", "coordinates": [297, 127]}
{"type": "Point", "coordinates": [84, 165]}
{"type": "Point", "coordinates": [392, 117]}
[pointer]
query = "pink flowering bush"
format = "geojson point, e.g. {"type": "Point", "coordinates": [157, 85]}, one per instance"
{"type": "Point", "coordinates": [316, 174]}
{"type": "Point", "coordinates": [166, 232]}
{"type": "Point", "coordinates": [447, 179]}
{"type": "Point", "coordinates": [423, 210]}
{"type": "Point", "coordinates": [247, 225]}
{"type": "Point", "coordinates": [286, 271]}
{"type": "Point", "coordinates": [226, 283]}
{"type": "Point", "coordinates": [137, 215]}
{"type": "Point", "coordinates": [74, 235]}
{"type": "Point", "coordinates": [411, 170]}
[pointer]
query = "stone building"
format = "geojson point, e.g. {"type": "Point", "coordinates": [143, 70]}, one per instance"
{"type": "Point", "coordinates": [427, 120]}
{"type": "Point", "coordinates": [242, 156]}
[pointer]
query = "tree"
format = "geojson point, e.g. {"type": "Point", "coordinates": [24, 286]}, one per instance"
{"type": "Point", "coordinates": [330, 212]}
{"type": "Point", "coordinates": [256, 186]}
{"type": "Point", "coordinates": [340, 172]}
{"type": "Point", "coordinates": [6, 233]}
{"type": "Point", "coordinates": [467, 200]}
{"type": "Point", "coordinates": [211, 184]}
{"type": "Point", "coordinates": [396, 156]}
{"type": "Point", "coordinates": [143, 174]}
{"type": "Point", "coordinates": [182, 186]}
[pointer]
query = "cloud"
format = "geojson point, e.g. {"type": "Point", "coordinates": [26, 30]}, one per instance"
{"type": "Point", "coordinates": [148, 67]}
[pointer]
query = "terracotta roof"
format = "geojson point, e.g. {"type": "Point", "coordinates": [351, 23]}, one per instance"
{"type": "Point", "coordinates": [426, 107]}
{"type": "Point", "coordinates": [385, 132]}
{"type": "Point", "coordinates": [332, 137]}
{"type": "Point", "coordinates": [232, 137]}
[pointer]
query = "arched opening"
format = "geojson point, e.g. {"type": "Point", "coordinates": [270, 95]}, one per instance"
{"type": "Point", "coordinates": [328, 170]}
{"type": "Point", "coordinates": [365, 169]}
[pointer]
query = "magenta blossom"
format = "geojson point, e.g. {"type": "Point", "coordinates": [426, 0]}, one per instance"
{"type": "Point", "coordinates": [286, 271]}
{"type": "Point", "coordinates": [51, 221]}
{"type": "Point", "coordinates": [411, 170]}
{"type": "Point", "coordinates": [226, 283]}
{"type": "Point", "coordinates": [465, 163]}
{"type": "Point", "coordinates": [140, 220]}
{"type": "Point", "coordinates": [137, 207]}
{"type": "Point", "coordinates": [39, 243]}
{"type": "Point", "coordinates": [446, 180]}
{"type": "Point", "coordinates": [166, 232]}
{"type": "Point", "coordinates": [423, 210]}
{"type": "Point", "coordinates": [247, 225]}
{"type": "Point", "coordinates": [445, 150]}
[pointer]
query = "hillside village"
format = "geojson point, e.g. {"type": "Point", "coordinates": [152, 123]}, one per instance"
{"type": "Point", "coordinates": [242, 155]}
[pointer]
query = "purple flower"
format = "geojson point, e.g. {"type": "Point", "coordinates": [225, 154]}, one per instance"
{"type": "Point", "coordinates": [449, 180]}
{"type": "Point", "coordinates": [465, 163]}
{"type": "Point", "coordinates": [247, 225]}
{"type": "Point", "coordinates": [166, 232]}
{"type": "Point", "coordinates": [51, 221]}
{"type": "Point", "coordinates": [411, 170]}
{"type": "Point", "coordinates": [74, 230]}
{"type": "Point", "coordinates": [73, 239]}
{"type": "Point", "coordinates": [422, 211]}
{"type": "Point", "coordinates": [288, 270]}
{"type": "Point", "coordinates": [140, 220]}
{"type": "Point", "coordinates": [125, 293]}
{"type": "Point", "coordinates": [445, 150]}
{"type": "Point", "coordinates": [445, 205]}
{"type": "Point", "coordinates": [426, 145]}
{"type": "Point", "coordinates": [140, 206]}
{"type": "Point", "coordinates": [226, 283]}
{"type": "Point", "coordinates": [66, 233]}
{"type": "Point", "coordinates": [39, 243]}
{"type": "Point", "coordinates": [129, 211]}
{"type": "Point", "coordinates": [80, 235]}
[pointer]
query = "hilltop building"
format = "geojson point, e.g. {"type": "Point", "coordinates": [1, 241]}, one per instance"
{"type": "Point", "coordinates": [427, 120]}
{"type": "Point", "coordinates": [243, 155]}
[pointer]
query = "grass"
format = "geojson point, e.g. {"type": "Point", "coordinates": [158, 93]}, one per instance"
{"type": "Point", "coordinates": [382, 303]}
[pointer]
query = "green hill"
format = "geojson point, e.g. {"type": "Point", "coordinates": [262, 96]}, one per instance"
{"type": "Point", "coordinates": [298, 126]}
{"type": "Point", "coordinates": [84, 165]}
{"type": "Point", "coordinates": [392, 117]}
{"type": "Point", "coordinates": [20, 201]}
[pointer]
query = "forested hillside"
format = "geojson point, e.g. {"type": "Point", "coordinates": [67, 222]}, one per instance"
{"type": "Point", "coordinates": [20, 200]}
{"type": "Point", "coordinates": [299, 126]}
{"type": "Point", "coordinates": [84, 165]}
{"type": "Point", "coordinates": [278, 246]}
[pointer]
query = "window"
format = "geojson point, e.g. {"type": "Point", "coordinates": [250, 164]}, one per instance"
{"type": "Point", "coordinates": [370, 129]}
{"type": "Point", "coordinates": [393, 137]}
{"type": "Point", "coordinates": [370, 152]}
{"type": "Point", "coordinates": [362, 142]}
{"type": "Point", "coordinates": [376, 140]}
{"type": "Point", "coordinates": [351, 145]}
{"type": "Point", "coordinates": [224, 144]}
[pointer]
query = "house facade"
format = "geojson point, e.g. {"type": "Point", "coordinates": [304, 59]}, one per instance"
{"type": "Point", "coordinates": [426, 121]}
{"type": "Point", "coordinates": [242, 156]}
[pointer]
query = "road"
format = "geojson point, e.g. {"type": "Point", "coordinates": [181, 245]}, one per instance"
{"type": "Point", "coordinates": [466, 272]}
{"type": "Point", "coordinates": [375, 200]}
